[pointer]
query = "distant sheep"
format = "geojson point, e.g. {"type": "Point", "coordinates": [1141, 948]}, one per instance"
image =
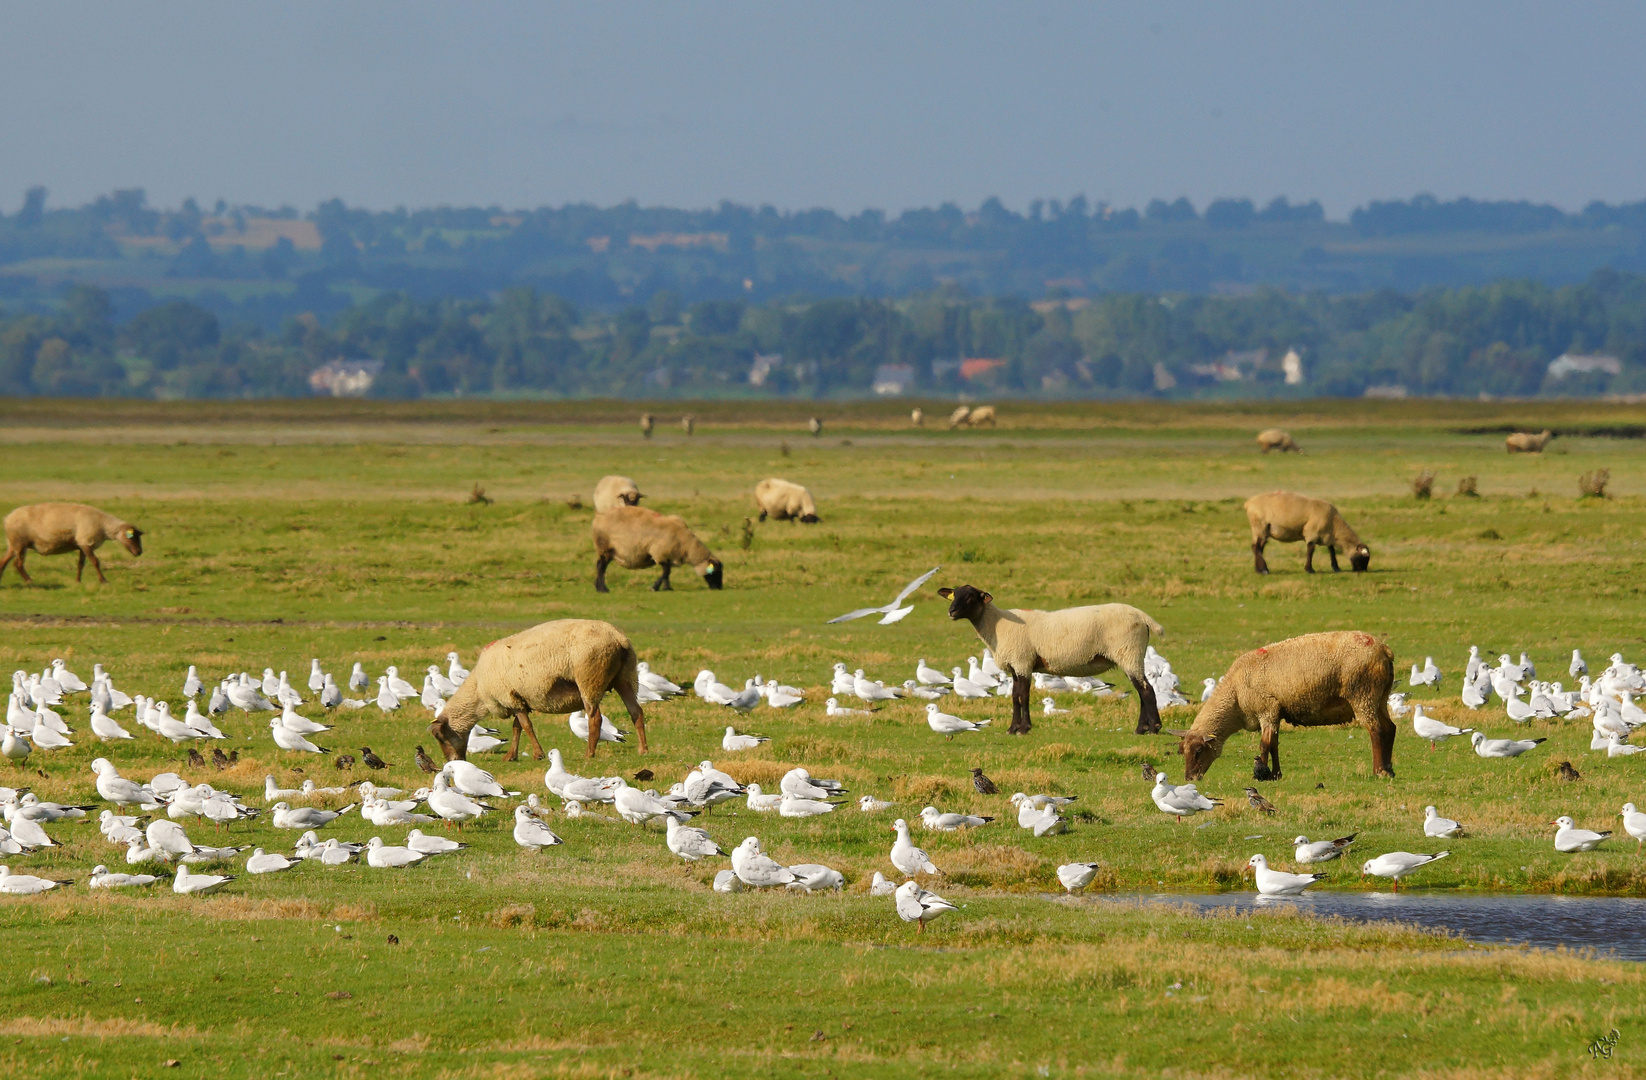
{"type": "Point", "coordinates": [555, 667]}
{"type": "Point", "coordinates": [614, 491]}
{"type": "Point", "coordinates": [1288, 517]}
{"type": "Point", "coordinates": [688, 423]}
{"type": "Point", "coordinates": [982, 416]}
{"type": "Point", "coordinates": [918, 417]}
{"type": "Point", "coordinates": [785, 501]}
{"type": "Point", "coordinates": [1276, 439]}
{"type": "Point", "coordinates": [1311, 681]}
{"type": "Point", "coordinates": [815, 426]}
{"type": "Point", "coordinates": [636, 538]}
{"type": "Point", "coordinates": [1522, 442]}
{"type": "Point", "coordinates": [960, 417]}
{"type": "Point", "coordinates": [58, 528]}
{"type": "Point", "coordinates": [646, 424]}
{"type": "Point", "coordinates": [1072, 641]}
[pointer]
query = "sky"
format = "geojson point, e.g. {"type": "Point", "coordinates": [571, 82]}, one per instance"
{"type": "Point", "coordinates": [844, 105]}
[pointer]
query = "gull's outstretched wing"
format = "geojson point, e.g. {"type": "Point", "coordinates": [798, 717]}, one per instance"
{"type": "Point", "coordinates": [915, 584]}
{"type": "Point", "coordinates": [858, 614]}
{"type": "Point", "coordinates": [896, 616]}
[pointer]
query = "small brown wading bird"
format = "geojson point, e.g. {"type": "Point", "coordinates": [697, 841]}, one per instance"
{"type": "Point", "coordinates": [983, 784]}
{"type": "Point", "coordinates": [1258, 802]}
{"type": "Point", "coordinates": [372, 760]}
{"type": "Point", "coordinates": [425, 762]}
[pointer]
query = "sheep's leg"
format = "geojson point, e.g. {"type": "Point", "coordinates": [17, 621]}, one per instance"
{"type": "Point", "coordinates": [514, 747]}
{"type": "Point", "coordinates": [525, 718]}
{"type": "Point", "coordinates": [11, 553]}
{"type": "Point", "coordinates": [1261, 566]}
{"type": "Point", "coordinates": [1269, 749]}
{"type": "Point", "coordinates": [21, 572]}
{"type": "Point", "coordinates": [1332, 551]}
{"type": "Point", "coordinates": [595, 720]}
{"type": "Point", "coordinates": [662, 583]}
{"type": "Point", "coordinates": [631, 702]}
{"type": "Point", "coordinates": [1309, 558]}
{"type": "Point", "coordinates": [1022, 719]}
{"type": "Point", "coordinates": [1382, 736]}
{"type": "Point", "coordinates": [600, 565]}
{"type": "Point", "coordinates": [762, 515]}
{"type": "Point", "coordinates": [81, 569]}
{"type": "Point", "coordinates": [1148, 709]}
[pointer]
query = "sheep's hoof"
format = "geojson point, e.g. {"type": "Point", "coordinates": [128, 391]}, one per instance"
{"type": "Point", "coordinates": [600, 586]}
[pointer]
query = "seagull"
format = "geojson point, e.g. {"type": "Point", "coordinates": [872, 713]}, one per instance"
{"type": "Point", "coordinates": [1502, 748]}
{"type": "Point", "coordinates": [689, 842]}
{"type": "Point", "coordinates": [965, 688]}
{"type": "Point", "coordinates": [579, 724]}
{"type": "Point", "coordinates": [25, 884]}
{"type": "Point", "coordinates": [1320, 850]}
{"type": "Point", "coordinates": [1209, 688]}
{"type": "Point", "coordinates": [304, 817]}
{"type": "Point", "coordinates": [1570, 839]}
{"type": "Point", "coordinates": [101, 878]}
{"type": "Point", "coordinates": [929, 676]}
{"type": "Point", "coordinates": [655, 682]}
{"type": "Point", "coordinates": [797, 807]}
{"type": "Point", "coordinates": [1475, 693]}
{"type": "Point", "coordinates": [1436, 731]}
{"type": "Point", "coordinates": [261, 863]}
{"type": "Point", "coordinates": [185, 883]}
{"type": "Point", "coordinates": [104, 726]}
{"type": "Point", "coordinates": [431, 845]}
{"type": "Point", "coordinates": [726, 881]}
{"type": "Point", "coordinates": [1428, 675]}
{"type": "Point", "coordinates": [1634, 823]}
{"type": "Point", "coordinates": [453, 805]}
{"type": "Point", "coordinates": [168, 839]}
{"type": "Point", "coordinates": [454, 671]}
{"type": "Point", "coordinates": [272, 791]}
{"type": "Point", "coordinates": [1518, 710]}
{"type": "Point", "coordinates": [383, 857]}
{"type": "Point", "coordinates": [754, 867]}
{"type": "Point", "coordinates": [1397, 864]}
{"type": "Point", "coordinates": [1439, 827]}
{"type": "Point", "coordinates": [905, 856]}
{"type": "Point", "coordinates": [761, 802]}
{"type": "Point", "coordinates": [1076, 876]}
{"type": "Point", "coordinates": [1578, 667]}
{"type": "Point", "coordinates": [733, 741]}
{"type": "Point", "coordinates": [1180, 800]}
{"type": "Point", "coordinates": [1278, 882]}
{"type": "Point", "coordinates": [782, 697]}
{"type": "Point", "coordinates": [120, 791]}
{"type": "Point", "coordinates": [530, 832]}
{"type": "Point", "coordinates": [871, 805]}
{"type": "Point", "coordinates": [300, 724]}
{"type": "Point", "coordinates": [1397, 706]}
{"type": "Point", "coordinates": [287, 739]}
{"type": "Point", "coordinates": [745, 699]}
{"type": "Point", "coordinates": [949, 726]}
{"type": "Point", "coordinates": [815, 877]}
{"type": "Point", "coordinates": [919, 906]}
{"type": "Point", "coordinates": [950, 822]}
{"type": "Point", "coordinates": [891, 611]}
{"type": "Point", "coordinates": [638, 807]}
{"type": "Point", "coordinates": [1049, 706]}
{"type": "Point", "coordinates": [192, 684]}
{"type": "Point", "coordinates": [471, 779]}
{"type": "Point", "coordinates": [834, 708]}
{"type": "Point", "coordinates": [386, 698]}
{"type": "Point", "coordinates": [442, 684]}
{"type": "Point", "coordinates": [1616, 747]}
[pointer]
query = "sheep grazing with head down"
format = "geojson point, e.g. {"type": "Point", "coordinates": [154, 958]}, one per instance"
{"type": "Point", "coordinates": [555, 667]}
{"type": "Point", "coordinates": [636, 538]}
{"type": "Point", "coordinates": [785, 501]}
{"type": "Point", "coordinates": [1288, 517]}
{"type": "Point", "coordinates": [58, 528]}
{"type": "Point", "coordinates": [614, 491]}
{"type": "Point", "coordinates": [982, 416]}
{"type": "Point", "coordinates": [1276, 439]}
{"type": "Point", "coordinates": [960, 417]}
{"type": "Point", "coordinates": [1316, 680]}
{"type": "Point", "coordinates": [1072, 641]}
{"type": "Point", "coordinates": [1524, 442]}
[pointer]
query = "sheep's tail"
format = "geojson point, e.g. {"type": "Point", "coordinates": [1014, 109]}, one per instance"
{"type": "Point", "coordinates": [1154, 628]}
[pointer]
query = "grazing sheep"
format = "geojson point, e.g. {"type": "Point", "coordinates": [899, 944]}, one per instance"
{"type": "Point", "coordinates": [58, 528]}
{"type": "Point", "coordinates": [918, 417]}
{"type": "Point", "coordinates": [785, 501]}
{"type": "Point", "coordinates": [1288, 517]}
{"type": "Point", "coordinates": [1276, 439]}
{"type": "Point", "coordinates": [555, 667]}
{"type": "Point", "coordinates": [613, 491]}
{"type": "Point", "coordinates": [646, 425]}
{"type": "Point", "coordinates": [688, 423]}
{"type": "Point", "coordinates": [1523, 442]}
{"type": "Point", "coordinates": [960, 417]}
{"type": "Point", "coordinates": [982, 416]}
{"type": "Point", "coordinates": [1315, 680]}
{"type": "Point", "coordinates": [1072, 641]}
{"type": "Point", "coordinates": [637, 538]}
{"type": "Point", "coordinates": [815, 426]}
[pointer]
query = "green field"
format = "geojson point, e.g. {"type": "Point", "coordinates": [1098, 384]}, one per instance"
{"type": "Point", "coordinates": [278, 532]}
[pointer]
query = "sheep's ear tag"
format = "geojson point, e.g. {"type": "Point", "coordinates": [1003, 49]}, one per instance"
{"type": "Point", "coordinates": [946, 593]}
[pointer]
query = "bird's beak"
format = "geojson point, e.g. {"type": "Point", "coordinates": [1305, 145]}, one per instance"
{"type": "Point", "coordinates": [1554, 823]}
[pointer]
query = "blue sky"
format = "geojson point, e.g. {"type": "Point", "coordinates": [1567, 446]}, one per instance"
{"type": "Point", "coordinates": [845, 105]}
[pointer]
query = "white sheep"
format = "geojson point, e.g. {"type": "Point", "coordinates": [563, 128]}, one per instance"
{"type": "Point", "coordinates": [614, 491]}
{"type": "Point", "coordinates": [58, 528]}
{"type": "Point", "coordinates": [785, 501]}
{"type": "Point", "coordinates": [636, 538]}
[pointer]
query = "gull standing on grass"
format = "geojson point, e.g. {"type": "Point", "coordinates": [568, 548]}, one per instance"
{"type": "Point", "coordinates": [1076, 876]}
{"type": "Point", "coordinates": [1398, 864]}
{"type": "Point", "coordinates": [892, 612]}
{"type": "Point", "coordinates": [453, 805]}
{"type": "Point", "coordinates": [929, 676]}
{"type": "Point", "coordinates": [1436, 731]}
{"type": "Point", "coordinates": [104, 726]}
{"type": "Point", "coordinates": [949, 726]}
{"type": "Point", "coordinates": [287, 739]}
{"type": "Point", "coordinates": [754, 867]}
{"type": "Point", "coordinates": [905, 856]}
{"type": "Point", "coordinates": [1181, 799]}
{"type": "Point", "coordinates": [1279, 882]}
{"type": "Point", "coordinates": [1321, 850]}
{"type": "Point", "coordinates": [919, 906]}
{"type": "Point", "coordinates": [530, 832]}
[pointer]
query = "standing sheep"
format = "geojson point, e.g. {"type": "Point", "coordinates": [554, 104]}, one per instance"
{"type": "Point", "coordinates": [1316, 680]}
{"type": "Point", "coordinates": [614, 491]}
{"type": "Point", "coordinates": [1072, 641]}
{"type": "Point", "coordinates": [785, 501]}
{"type": "Point", "coordinates": [1287, 517]}
{"type": "Point", "coordinates": [1522, 442]}
{"type": "Point", "coordinates": [688, 423]}
{"type": "Point", "coordinates": [58, 528]}
{"type": "Point", "coordinates": [637, 538]}
{"type": "Point", "coordinates": [982, 416]}
{"type": "Point", "coordinates": [815, 426]}
{"type": "Point", "coordinates": [646, 425]}
{"type": "Point", "coordinates": [959, 417]}
{"type": "Point", "coordinates": [1276, 439]}
{"type": "Point", "coordinates": [555, 667]}
{"type": "Point", "coordinates": [917, 417]}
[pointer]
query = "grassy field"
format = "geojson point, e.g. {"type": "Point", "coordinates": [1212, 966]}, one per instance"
{"type": "Point", "coordinates": [341, 531]}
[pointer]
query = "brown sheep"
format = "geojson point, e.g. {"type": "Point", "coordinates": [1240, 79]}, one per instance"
{"type": "Point", "coordinates": [960, 417]}
{"type": "Point", "coordinates": [1276, 439]}
{"type": "Point", "coordinates": [555, 667]}
{"type": "Point", "coordinates": [646, 425]}
{"type": "Point", "coordinates": [785, 501]}
{"type": "Point", "coordinates": [1288, 517]}
{"type": "Point", "coordinates": [1316, 680]}
{"type": "Point", "coordinates": [1522, 442]}
{"type": "Point", "coordinates": [58, 528]}
{"type": "Point", "coordinates": [637, 538]}
{"type": "Point", "coordinates": [1071, 641]}
{"type": "Point", "coordinates": [982, 416]}
{"type": "Point", "coordinates": [615, 491]}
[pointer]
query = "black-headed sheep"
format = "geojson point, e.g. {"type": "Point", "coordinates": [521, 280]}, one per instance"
{"type": "Point", "coordinates": [785, 501]}
{"type": "Point", "coordinates": [60, 527]}
{"type": "Point", "coordinates": [615, 491]}
{"type": "Point", "coordinates": [1072, 641]}
{"type": "Point", "coordinates": [635, 538]}
{"type": "Point", "coordinates": [1288, 517]}
{"type": "Point", "coordinates": [1315, 680]}
{"type": "Point", "coordinates": [555, 667]}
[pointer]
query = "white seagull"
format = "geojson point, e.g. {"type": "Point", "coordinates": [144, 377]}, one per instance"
{"type": "Point", "coordinates": [1439, 827]}
{"type": "Point", "coordinates": [1397, 864]}
{"type": "Point", "coordinates": [186, 884]}
{"type": "Point", "coordinates": [1321, 850]}
{"type": "Point", "coordinates": [733, 741]}
{"type": "Point", "coordinates": [1181, 799]}
{"type": "Point", "coordinates": [1076, 876]}
{"type": "Point", "coordinates": [949, 726]}
{"type": "Point", "coordinates": [1502, 748]}
{"type": "Point", "coordinates": [905, 856]}
{"type": "Point", "coordinates": [690, 843]}
{"type": "Point", "coordinates": [754, 867]}
{"type": "Point", "coordinates": [1279, 882]}
{"type": "Point", "coordinates": [383, 857]}
{"type": "Point", "coordinates": [919, 906]}
{"type": "Point", "coordinates": [1436, 731]}
{"type": "Point", "coordinates": [892, 612]}
{"type": "Point", "coordinates": [1569, 838]}
{"type": "Point", "coordinates": [530, 832]}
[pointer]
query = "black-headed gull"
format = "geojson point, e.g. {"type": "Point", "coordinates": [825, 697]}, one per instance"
{"type": "Point", "coordinates": [579, 724]}
{"type": "Point", "coordinates": [1320, 850]}
{"type": "Point", "coordinates": [1436, 731]}
{"type": "Point", "coordinates": [101, 878]}
{"type": "Point", "coordinates": [1180, 799]}
{"type": "Point", "coordinates": [1569, 838]}
{"type": "Point", "coordinates": [384, 857]}
{"type": "Point", "coordinates": [1439, 827]}
{"type": "Point", "coordinates": [754, 867]}
{"type": "Point", "coordinates": [1578, 666]}
{"type": "Point", "coordinates": [782, 697]}
{"type": "Point", "coordinates": [1279, 882]}
{"type": "Point", "coordinates": [431, 845]}
{"type": "Point", "coordinates": [168, 839]}
{"type": "Point", "coordinates": [727, 882]}
{"type": "Point", "coordinates": [120, 791]}
{"type": "Point", "coordinates": [25, 884]}
{"type": "Point", "coordinates": [879, 886]}
{"type": "Point", "coordinates": [929, 676]}
{"type": "Point", "coordinates": [919, 906]}
{"type": "Point", "coordinates": [940, 822]}
{"type": "Point", "coordinates": [451, 805]}
{"type": "Point", "coordinates": [762, 802]}
{"type": "Point", "coordinates": [892, 612]}
{"type": "Point", "coordinates": [796, 806]}
{"type": "Point", "coordinates": [949, 725]}
{"type": "Point", "coordinates": [905, 856]}
{"type": "Point", "coordinates": [1634, 823]}
{"type": "Point", "coordinates": [638, 807]}
{"type": "Point", "coordinates": [1049, 707]}
{"type": "Point", "coordinates": [689, 842]}
{"type": "Point", "coordinates": [965, 688]}
{"type": "Point", "coordinates": [104, 726]}
{"type": "Point", "coordinates": [284, 816]}
{"type": "Point", "coordinates": [1501, 748]}
{"type": "Point", "coordinates": [911, 688]}
{"type": "Point", "coordinates": [656, 683]}
{"type": "Point", "coordinates": [1076, 876]}
{"type": "Point", "coordinates": [870, 805]}
{"type": "Point", "coordinates": [1397, 864]}
{"type": "Point", "coordinates": [734, 741]}
{"type": "Point", "coordinates": [1397, 706]}
{"type": "Point", "coordinates": [1428, 675]}
{"type": "Point", "coordinates": [471, 779]}
{"type": "Point", "coordinates": [530, 832]}
{"type": "Point", "coordinates": [834, 708]}
{"type": "Point", "coordinates": [187, 884]}
{"type": "Point", "coordinates": [815, 877]}
{"type": "Point", "coordinates": [869, 691]}
{"type": "Point", "coordinates": [801, 783]}
{"type": "Point", "coordinates": [287, 739]}
{"type": "Point", "coordinates": [262, 862]}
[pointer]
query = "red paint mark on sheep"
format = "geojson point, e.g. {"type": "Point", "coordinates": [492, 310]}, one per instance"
{"type": "Point", "coordinates": [1365, 639]}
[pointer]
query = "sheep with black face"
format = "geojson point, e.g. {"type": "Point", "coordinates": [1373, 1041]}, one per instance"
{"type": "Point", "coordinates": [635, 538]}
